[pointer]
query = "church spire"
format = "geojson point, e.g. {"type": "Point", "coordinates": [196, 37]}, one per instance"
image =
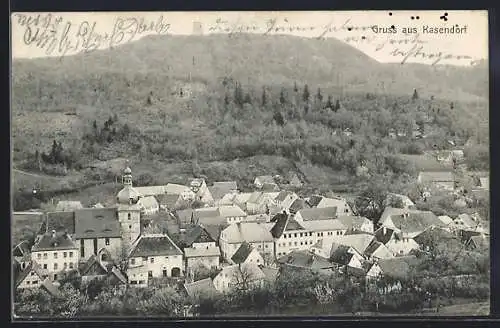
{"type": "Point", "coordinates": [127, 177]}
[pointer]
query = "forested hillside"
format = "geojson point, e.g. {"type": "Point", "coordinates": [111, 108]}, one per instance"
{"type": "Point", "coordinates": [219, 98]}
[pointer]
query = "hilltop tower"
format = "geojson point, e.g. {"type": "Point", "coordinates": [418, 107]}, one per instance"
{"type": "Point", "coordinates": [129, 212]}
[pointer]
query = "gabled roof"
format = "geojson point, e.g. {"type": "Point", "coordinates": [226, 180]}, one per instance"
{"type": "Point", "coordinates": [231, 211]}
{"type": "Point", "coordinates": [148, 202]}
{"type": "Point", "coordinates": [265, 179]}
{"type": "Point", "coordinates": [323, 225]}
{"type": "Point", "coordinates": [305, 259]}
{"type": "Point", "coordinates": [253, 270]}
{"type": "Point", "coordinates": [353, 222]}
{"type": "Point", "coordinates": [68, 205]}
{"type": "Point", "coordinates": [359, 242]}
{"type": "Point", "coordinates": [31, 267]}
{"type": "Point", "coordinates": [480, 241]}
{"type": "Point", "coordinates": [214, 230]}
{"type": "Point", "coordinates": [445, 219]}
{"type": "Point", "coordinates": [397, 267]}
{"type": "Point", "coordinates": [436, 235]}
{"type": "Point", "coordinates": [168, 200]}
{"type": "Point", "coordinates": [280, 220]}
{"type": "Point", "coordinates": [242, 253]}
{"type": "Point", "coordinates": [59, 221]}
{"type": "Point", "coordinates": [314, 200]}
{"type": "Point", "coordinates": [204, 287]}
{"type": "Point", "coordinates": [49, 242]}
{"type": "Point", "coordinates": [415, 222]}
{"type": "Point", "coordinates": [270, 187]}
{"type": "Point", "coordinates": [340, 254]}
{"type": "Point", "coordinates": [118, 274]}
{"type": "Point", "coordinates": [467, 220]}
{"type": "Point", "coordinates": [154, 245]}
{"type": "Point", "coordinates": [50, 288]}
{"type": "Point", "coordinates": [297, 205]}
{"type": "Point", "coordinates": [247, 231]}
{"type": "Point", "coordinates": [151, 190]}
{"type": "Point", "coordinates": [436, 176]}
{"type": "Point", "coordinates": [282, 195]}
{"type": "Point", "coordinates": [93, 267]}
{"type": "Point", "coordinates": [176, 189]}
{"type": "Point", "coordinates": [201, 252]}
{"type": "Point", "coordinates": [335, 201]}
{"type": "Point", "coordinates": [374, 245]}
{"type": "Point", "coordinates": [255, 197]}
{"type": "Point", "coordinates": [270, 273]}
{"type": "Point", "coordinates": [22, 249]}
{"type": "Point", "coordinates": [196, 234]}
{"type": "Point", "coordinates": [325, 213]}
{"type": "Point", "coordinates": [97, 223]}
{"type": "Point", "coordinates": [220, 189]}
{"type": "Point", "coordinates": [384, 237]}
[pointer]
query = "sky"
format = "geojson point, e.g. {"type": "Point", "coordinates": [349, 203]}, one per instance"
{"type": "Point", "coordinates": [70, 31]}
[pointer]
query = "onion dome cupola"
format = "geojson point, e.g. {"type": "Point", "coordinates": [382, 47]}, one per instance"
{"type": "Point", "coordinates": [128, 195]}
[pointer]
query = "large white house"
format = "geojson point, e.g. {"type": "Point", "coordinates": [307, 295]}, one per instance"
{"type": "Point", "coordinates": [256, 234]}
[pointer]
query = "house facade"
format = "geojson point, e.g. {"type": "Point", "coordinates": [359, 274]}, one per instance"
{"type": "Point", "coordinates": [201, 191]}
{"type": "Point", "coordinates": [155, 255]}
{"type": "Point", "coordinates": [253, 233]}
{"type": "Point", "coordinates": [56, 254]}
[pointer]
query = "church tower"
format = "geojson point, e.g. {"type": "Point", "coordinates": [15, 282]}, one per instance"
{"type": "Point", "coordinates": [129, 212]}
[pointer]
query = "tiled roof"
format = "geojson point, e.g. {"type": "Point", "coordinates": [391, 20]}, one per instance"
{"type": "Point", "coordinates": [228, 185]}
{"type": "Point", "coordinates": [265, 179]}
{"type": "Point", "coordinates": [467, 220]}
{"type": "Point", "coordinates": [297, 205]}
{"type": "Point", "coordinates": [340, 254]}
{"type": "Point", "coordinates": [247, 231]}
{"type": "Point", "coordinates": [204, 287]}
{"type": "Point", "coordinates": [202, 252]}
{"type": "Point", "coordinates": [59, 221]}
{"type": "Point", "coordinates": [270, 273]}
{"type": "Point", "coordinates": [176, 189]}
{"type": "Point", "coordinates": [49, 242]}
{"type": "Point", "coordinates": [314, 200]}
{"type": "Point", "coordinates": [196, 234]}
{"type": "Point", "coordinates": [353, 222]}
{"type": "Point", "coordinates": [154, 245]}
{"type": "Point", "coordinates": [68, 205]}
{"type": "Point", "coordinates": [50, 288]}
{"type": "Point", "coordinates": [374, 245]}
{"type": "Point", "coordinates": [253, 270]}
{"type": "Point", "coordinates": [305, 259]}
{"type": "Point", "coordinates": [270, 187]}
{"type": "Point", "coordinates": [325, 213]}
{"type": "Point", "coordinates": [280, 220]}
{"type": "Point", "coordinates": [415, 222]}
{"type": "Point", "coordinates": [397, 267]}
{"type": "Point", "coordinates": [219, 189]}
{"type": "Point", "coordinates": [231, 211]}
{"type": "Point", "coordinates": [282, 195]}
{"type": "Point", "coordinates": [255, 197]}
{"type": "Point", "coordinates": [148, 202]}
{"type": "Point", "coordinates": [436, 235]}
{"type": "Point", "coordinates": [214, 230]}
{"type": "Point", "coordinates": [480, 241]}
{"type": "Point", "coordinates": [185, 216]}
{"type": "Point", "coordinates": [94, 264]}
{"type": "Point", "coordinates": [324, 225]}
{"type": "Point", "coordinates": [293, 225]}
{"type": "Point", "coordinates": [359, 242]}
{"type": "Point", "coordinates": [32, 266]}
{"type": "Point", "coordinates": [168, 200]}
{"type": "Point", "coordinates": [332, 202]}
{"type": "Point", "coordinates": [384, 237]}
{"type": "Point", "coordinates": [445, 219]}
{"type": "Point", "coordinates": [21, 249]}
{"type": "Point", "coordinates": [242, 253]}
{"type": "Point", "coordinates": [97, 223]}
{"type": "Point", "coordinates": [151, 190]}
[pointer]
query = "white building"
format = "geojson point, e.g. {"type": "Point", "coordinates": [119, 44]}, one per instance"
{"type": "Point", "coordinates": [256, 234]}
{"type": "Point", "coordinates": [155, 255]}
{"type": "Point", "coordinates": [56, 253]}
{"type": "Point", "coordinates": [239, 276]}
{"type": "Point", "coordinates": [247, 254]}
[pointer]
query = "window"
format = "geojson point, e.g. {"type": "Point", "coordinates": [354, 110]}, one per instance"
{"type": "Point", "coordinates": [130, 227]}
{"type": "Point", "coordinates": [34, 282]}
{"type": "Point", "coordinates": [65, 254]}
{"type": "Point", "coordinates": [55, 255]}
{"type": "Point", "coordinates": [267, 246]}
{"type": "Point", "coordinates": [129, 216]}
{"type": "Point", "coordinates": [55, 266]}
{"type": "Point", "coordinates": [310, 234]}
{"type": "Point", "coordinates": [150, 274]}
{"type": "Point", "coordinates": [257, 260]}
{"type": "Point", "coordinates": [106, 241]}
{"type": "Point", "coordinates": [71, 265]}
{"type": "Point", "coordinates": [284, 235]}
{"type": "Point", "coordinates": [82, 248]}
{"type": "Point", "coordinates": [32, 273]}
{"type": "Point", "coordinates": [39, 256]}
{"type": "Point", "coordinates": [70, 254]}
{"type": "Point", "coordinates": [45, 266]}
{"type": "Point", "coordinates": [290, 244]}
{"type": "Point", "coordinates": [301, 243]}
{"type": "Point", "coordinates": [132, 261]}
{"type": "Point", "coordinates": [27, 282]}
{"type": "Point", "coordinates": [152, 260]}
{"type": "Point", "coordinates": [133, 282]}
{"type": "Point", "coordinates": [65, 265]}
{"type": "Point", "coordinates": [44, 256]}
{"type": "Point", "coordinates": [141, 282]}
{"type": "Point", "coordinates": [295, 234]}
{"type": "Point", "coordinates": [260, 246]}
{"type": "Point", "coordinates": [301, 234]}
{"type": "Point", "coordinates": [295, 243]}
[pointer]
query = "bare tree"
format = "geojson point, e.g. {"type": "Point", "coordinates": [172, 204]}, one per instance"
{"type": "Point", "coordinates": [243, 278]}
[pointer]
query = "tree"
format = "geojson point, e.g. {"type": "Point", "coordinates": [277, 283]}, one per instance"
{"type": "Point", "coordinates": [248, 99]}
{"type": "Point", "coordinates": [305, 94]}
{"type": "Point", "coordinates": [329, 103]}
{"type": "Point", "coordinates": [278, 118]}
{"type": "Point", "coordinates": [319, 95]}
{"type": "Point", "coordinates": [295, 88]}
{"type": "Point", "coordinates": [164, 301]}
{"type": "Point", "coordinates": [415, 95]}
{"type": "Point", "coordinates": [264, 97]}
{"type": "Point", "coordinates": [282, 97]}
{"type": "Point", "coordinates": [337, 105]}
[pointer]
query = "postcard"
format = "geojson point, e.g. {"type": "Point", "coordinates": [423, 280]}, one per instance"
{"type": "Point", "coordinates": [256, 164]}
